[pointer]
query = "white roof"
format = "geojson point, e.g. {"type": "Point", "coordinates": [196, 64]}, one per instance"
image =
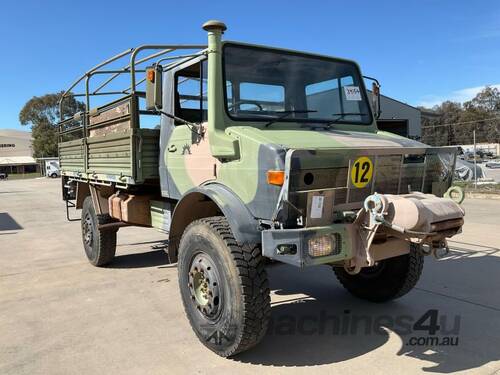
{"type": "Point", "coordinates": [17, 160]}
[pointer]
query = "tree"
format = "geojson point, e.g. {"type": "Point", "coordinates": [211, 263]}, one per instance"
{"type": "Point", "coordinates": [42, 114]}
{"type": "Point", "coordinates": [434, 132]}
{"type": "Point", "coordinates": [484, 110]}
{"type": "Point", "coordinates": [453, 123]}
{"type": "Point", "coordinates": [488, 100]}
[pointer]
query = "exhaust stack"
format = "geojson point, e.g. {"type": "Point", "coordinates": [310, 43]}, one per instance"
{"type": "Point", "coordinates": [221, 144]}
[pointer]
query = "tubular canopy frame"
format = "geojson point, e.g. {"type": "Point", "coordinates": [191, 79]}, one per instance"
{"type": "Point", "coordinates": [130, 68]}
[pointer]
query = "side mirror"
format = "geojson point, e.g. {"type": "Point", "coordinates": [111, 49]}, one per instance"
{"type": "Point", "coordinates": [376, 99]}
{"type": "Point", "coordinates": [154, 87]}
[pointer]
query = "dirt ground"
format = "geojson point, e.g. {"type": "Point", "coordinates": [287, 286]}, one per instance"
{"type": "Point", "coordinates": [59, 315]}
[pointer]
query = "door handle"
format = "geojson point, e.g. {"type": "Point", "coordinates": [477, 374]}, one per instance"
{"type": "Point", "coordinates": [172, 148]}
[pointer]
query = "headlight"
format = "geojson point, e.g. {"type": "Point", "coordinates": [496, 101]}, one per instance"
{"type": "Point", "coordinates": [321, 246]}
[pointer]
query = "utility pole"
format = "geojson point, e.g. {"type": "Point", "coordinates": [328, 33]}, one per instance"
{"type": "Point", "coordinates": [475, 161]}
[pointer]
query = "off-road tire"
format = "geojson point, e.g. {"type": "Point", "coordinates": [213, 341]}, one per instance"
{"type": "Point", "coordinates": [243, 311]}
{"type": "Point", "coordinates": [100, 248]}
{"type": "Point", "coordinates": [390, 279]}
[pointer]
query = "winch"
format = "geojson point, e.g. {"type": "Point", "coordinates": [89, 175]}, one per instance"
{"type": "Point", "coordinates": [422, 219]}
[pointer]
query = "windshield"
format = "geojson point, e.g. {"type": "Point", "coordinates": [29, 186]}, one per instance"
{"type": "Point", "coordinates": [265, 84]}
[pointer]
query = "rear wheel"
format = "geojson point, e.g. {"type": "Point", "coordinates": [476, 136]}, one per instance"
{"type": "Point", "coordinates": [224, 287]}
{"type": "Point", "coordinates": [389, 279]}
{"type": "Point", "coordinates": [99, 245]}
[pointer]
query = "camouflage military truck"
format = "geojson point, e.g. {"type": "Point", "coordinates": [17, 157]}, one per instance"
{"type": "Point", "coordinates": [259, 154]}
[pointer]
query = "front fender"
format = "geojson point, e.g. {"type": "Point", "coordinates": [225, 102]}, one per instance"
{"type": "Point", "coordinates": [210, 200]}
{"type": "Point", "coordinates": [244, 226]}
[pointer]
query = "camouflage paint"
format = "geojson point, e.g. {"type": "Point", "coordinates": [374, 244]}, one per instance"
{"type": "Point", "coordinates": [189, 160]}
{"type": "Point", "coordinates": [260, 150]}
{"type": "Point", "coordinates": [192, 165]}
{"type": "Point", "coordinates": [222, 145]}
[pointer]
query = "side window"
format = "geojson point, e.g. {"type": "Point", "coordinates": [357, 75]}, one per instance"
{"type": "Point", "coordinates": [188, 89]}
{"type": "Point", "coordinates": [259, 97]}
{"type": "Point", "coordinates": [191, 93]}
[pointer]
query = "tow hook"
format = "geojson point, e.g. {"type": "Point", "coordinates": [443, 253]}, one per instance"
{"type": "Point", "coordinates": [440, 249]}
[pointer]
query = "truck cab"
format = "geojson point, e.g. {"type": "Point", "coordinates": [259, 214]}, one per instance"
{"type": "Point", "coordinates": [52, 168]}
{"type": "Point", "coordinates": [261, 153]}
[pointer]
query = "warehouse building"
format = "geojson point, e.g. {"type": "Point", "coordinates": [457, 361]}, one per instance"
{"type": "Point", "coordinates": [399, 118]}
{"type": "Point", "coordinates": [16, 155]}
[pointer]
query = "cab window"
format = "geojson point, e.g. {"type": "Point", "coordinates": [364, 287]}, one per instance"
{"type": "Point", "coordinates": [191, 93]}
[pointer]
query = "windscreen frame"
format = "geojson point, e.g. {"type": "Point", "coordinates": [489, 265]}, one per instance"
{"type": "Point", "coordinates": [356, 70]}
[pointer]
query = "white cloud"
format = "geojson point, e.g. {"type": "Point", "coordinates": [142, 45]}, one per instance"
{"type": "Point", "coordinates": [461, 96]}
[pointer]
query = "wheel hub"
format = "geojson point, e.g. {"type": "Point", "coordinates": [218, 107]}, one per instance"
{"type": "Point", "coordinates": [88, 227]}
{"type": "Point", "coordinates": [203, 285]}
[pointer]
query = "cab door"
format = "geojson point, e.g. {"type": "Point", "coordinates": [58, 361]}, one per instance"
{"type": "Point", "coordinates": [188, 159]}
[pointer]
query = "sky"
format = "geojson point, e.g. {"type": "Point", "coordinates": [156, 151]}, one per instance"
{"type": "Point", "coordinates": [423, 52]}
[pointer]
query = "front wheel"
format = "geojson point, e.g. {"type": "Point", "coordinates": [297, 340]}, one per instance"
{"type": "Point", "coordinates": [389, 279]}
{"type": "Point", "coordinates": [99, 244]}
{"type": "Point", "coordinates": [224, 287]}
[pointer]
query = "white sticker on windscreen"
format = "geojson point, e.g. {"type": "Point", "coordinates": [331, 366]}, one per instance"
{"type": "Point", "coordinates": [352, 93]}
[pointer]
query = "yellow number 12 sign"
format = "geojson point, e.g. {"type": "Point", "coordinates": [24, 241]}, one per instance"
{"type": "Point", "coordinates": [361, 172]}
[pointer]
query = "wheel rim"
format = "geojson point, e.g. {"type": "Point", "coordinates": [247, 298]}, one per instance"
{"type": "Point", "coordinates": [204, 286]}
{"type": "Point", "coordinates": [88, 230]}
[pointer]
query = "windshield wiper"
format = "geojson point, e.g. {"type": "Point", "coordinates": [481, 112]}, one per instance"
{"type": "Point", "coordinates": [341, 116]}
{"type": "Point", "coordinates": [288, 113]}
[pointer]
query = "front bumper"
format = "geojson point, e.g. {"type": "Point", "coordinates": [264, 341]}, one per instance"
{"type": "Point", "coordinates": [292, 245]}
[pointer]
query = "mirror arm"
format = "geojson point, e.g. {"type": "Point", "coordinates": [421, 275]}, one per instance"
{"type": "Point", "coordinates": [373, 79]}
{"type": "Point", "coordinates": [375, 95]}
